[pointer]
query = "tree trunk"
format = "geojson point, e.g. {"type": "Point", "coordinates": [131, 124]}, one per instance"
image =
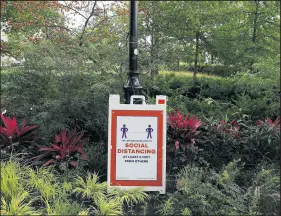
{"type": "Point", "coordinates": [196, 56]}
{"type": "Point", "coordinates": [254, 36]}
{"type": "Point", "coordinates": [153, 50]}
{"type": "Point", "coordinates": [154, 70]}
{"type": "Point", "coordinates": [178, 64]}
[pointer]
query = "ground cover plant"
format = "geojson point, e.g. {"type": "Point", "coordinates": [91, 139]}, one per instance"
{"type": "Point", "coordinates": [223, 108]}
{"type": "Point", "coordinates": [210, 146]}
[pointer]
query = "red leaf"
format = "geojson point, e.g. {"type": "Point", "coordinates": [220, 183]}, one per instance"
{"type": "Point", "coordinates": [27, 129]}
{"type": "Point", "coordinates": [269, 121]}
{"type": "Point", "coordinates": [12, 129]}
{"type": "Point", "coordinates": [56, 147]}
{"type": "Point", "coordinates": [83, 154]}
{"type": "Point", "coordinates": [58, 157]}
{"type": "Point", "coordinates": [259, 122]}
{"type": "Point", "coordinates": [75, 140]}
{"type": "Point", "coordinates": [74, 163]}
{"type": "Point", "coordinates": [24, 124]}
{"type": "Point", "coordinates": [63, 154]}
{"type": "Point", "coordinates": [14, 126]}
{"type": "Point", "coordinates": [177, 145]}
{"type": "Point", "coordinates": [63, 138]}
{"type": "Point", "coordinates": [47, 149]}
{"type": "Point", "coordinates": [49, 162]}
{"type": "Point", "coordinates": [71, 135]}
{"type": "Point", "coordinates": [78, 138]}
{"type": "Point", "coordinates": [57, 138]}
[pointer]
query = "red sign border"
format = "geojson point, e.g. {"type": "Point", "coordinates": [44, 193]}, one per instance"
{"type": "Point", "coordinates": [147, 113]}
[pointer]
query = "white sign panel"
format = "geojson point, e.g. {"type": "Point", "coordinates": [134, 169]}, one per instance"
{"type": "Point", "coordinates": [136, 148]}
{"type": "Point", "coordinates": [137, 144]}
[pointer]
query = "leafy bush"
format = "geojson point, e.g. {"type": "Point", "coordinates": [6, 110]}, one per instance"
{"type": "Point", "coordinates": [66, 145]}
{"type": "Point", "coordinates": [231, 127]}
{"type": "Point", "coordinates": [131, 196]}
{"type": "Point", "coordinates": [275, 124]}
{"type": "Point", "coordinates": [13, 138]}
{"type": "Point", "coordinates": [28, 191]}
{"type": "Point", "coordinates": [215, 96]}
{"type": "Point", "coordinates": [90, 188]}
{"type": "Point", "coordinates": [167, 207]}
{"type": "Point", "coordinates": [97, 159]}
{"type": "Point", "coordinates": [266, 187]}
{"type": "Point", "coordinates": [260, 144]}
{"type": "Point", "coordinates": [254, 145]}
{"type": "Point", "coordinates": [44, 191]}
{"type": "Point", "coordinates": [23, 90]}
{"type": "Point", "coordinates": [56, 100]}
{"type": "Point", "coordinates": [108, 206]}
{"type": "Point", "coordinates": [17, 205]}
{"type": "Point", "coordinates": [219, 70]}
{"type": "Point", "coordinates": [204, 108]}
{"type": "Point", "coordinates": [258, 108]}
{"type": "Point", "coordinates": [183, 128]}
{"type": "Point", "coordinates": [181, 135]}
{"type": "Point", "coordinates": [11, 175]}
{"type": "Point", "coordinates": [202, 191]}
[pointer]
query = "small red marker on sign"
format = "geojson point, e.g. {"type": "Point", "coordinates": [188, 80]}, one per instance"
{"type": "Point", "coordinates": [161, 101]}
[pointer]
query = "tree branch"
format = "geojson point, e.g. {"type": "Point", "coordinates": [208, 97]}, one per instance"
{"type": "Point", "coordinates": [74, 10]}
{"type": "Point", "coordinates": [56, 26]}
{"type": "Point", "coordinates": [85, 25]}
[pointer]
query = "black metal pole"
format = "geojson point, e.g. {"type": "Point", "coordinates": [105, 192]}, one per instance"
{"type": "Point", "coordinates": [133, 87]}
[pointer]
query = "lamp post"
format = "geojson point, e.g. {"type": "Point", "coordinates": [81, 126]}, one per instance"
{"type": "Point", "coordinates": [133, 87]}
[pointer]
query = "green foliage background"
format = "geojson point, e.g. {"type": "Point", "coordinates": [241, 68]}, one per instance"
{"type": "Point", "coordinates": [66, 84]}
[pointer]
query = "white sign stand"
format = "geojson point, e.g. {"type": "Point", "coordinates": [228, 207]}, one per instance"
{"type": "Point", "coordinates": [137, 144]}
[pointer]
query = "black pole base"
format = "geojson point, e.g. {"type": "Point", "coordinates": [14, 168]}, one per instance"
{"type": "Point", "coordinates": [132, 87]}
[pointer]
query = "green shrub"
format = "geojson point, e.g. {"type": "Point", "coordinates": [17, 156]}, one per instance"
{"type": "Point", "coordinates": [219, 70]}
{"type": "Point", "coordinates": [97, 162]}
{"type": "Point", "coordinates": [267, 186]}
{"type": "Point", "coordinates": [90, 188]}
{"type": "Point", "coordinates": [130, 197]}
{"type": "Point", "coordinates": [56, 99]}
{"type": "Point", "coordinates": [11, 176]}
{"type": "Point", "coordinates": [205, 107]}
{"type": "Point", "coordinates": [260, 144]}
{"type": "Point", "coordinates": [18, 205]}
{"type": "Point", "coordinates": [15, 138]}
{"type": "Point", "coordinates": [181, 137]}
{"type": "Point", "coordinates": [22, 90]}
{"type": "Point", "coordinates": [167, 207]}
{"type": "Point", "coordinates": [254, 145]}
{"type": "Point", "coordinates": [258, 108]}
{"type": "Point", "coordinates": [200, 192]}
{"type": "Point", "coordinates": [28, 191]}
{"type": "Point", "coordinates": [108, 206]}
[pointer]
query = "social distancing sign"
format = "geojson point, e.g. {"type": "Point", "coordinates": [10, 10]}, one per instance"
{"type": "Point", "coordinates": [137, 144]}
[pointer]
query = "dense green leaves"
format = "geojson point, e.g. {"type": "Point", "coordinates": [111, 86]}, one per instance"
{"type": "Point", "coordinates": [67, 72]}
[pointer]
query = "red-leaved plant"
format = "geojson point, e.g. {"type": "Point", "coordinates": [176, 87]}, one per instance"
{"type": "Point", "coordinates": [183, 129]}
{"type": "Point", "coordinates": [66, 145]}
{"type": "Point", "coordinates": [275, 124]}
{"type": "Point", "coordinates": [11, 135]}
{"type": "Point", "coordinates": [231, 128]}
